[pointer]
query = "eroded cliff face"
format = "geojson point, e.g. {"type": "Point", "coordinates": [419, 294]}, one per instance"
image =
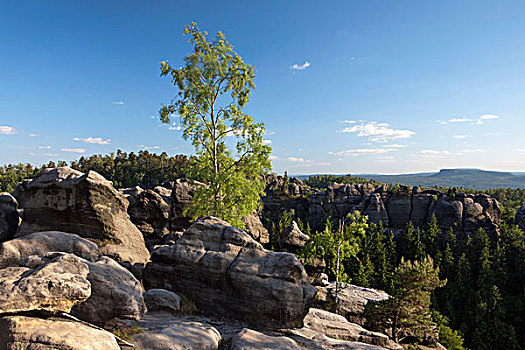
{"type": "Point", "coordinates": [394, 207]}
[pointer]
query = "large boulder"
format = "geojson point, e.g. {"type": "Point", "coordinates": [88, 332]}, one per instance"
{"type": "Point", "coordinates": [292, 239]}
{"type": "Point", "coordinates": [54, 286]}
{"type": "Point", "coordinates": [115, 293]}
{"type": "Point", "coordinates": [42, 243]}
{"type": "Point", "coordinates": [21, 332]}
{"type": "Point", "coordinates": [162, 300]}
{"type": "Point", "coordinates": [150, 213]}
{"type": "Point", "coordinates": [255, 228]}
{"type": "Point", "coordinates": [159, 331]}
{"type": "Point", "coordinates": [351, 301]}
{"type": "Point", "coordinates": [229, 274]}
{"type": "Point", "coordinates": [449, 213]}
{"type": "Point", "coordinates": [63, 199]}
{"type": "Point", "coordinates": [248, 339]}
{"type": "Point", "coordinates": [9, 218]}
{"type": "Point", "coordinates": [181, 196]}
{"type": "Point", "coordinates": [337, 327]}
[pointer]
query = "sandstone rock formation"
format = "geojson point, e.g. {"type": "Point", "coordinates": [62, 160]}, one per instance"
{"type": "Point", "coordinates": [352, 300]}
{"type": "Point", "coordinates": [53, 286]}
{"type": "Point", "coordinates": [9, 218]}
{"type": "Point", "coordinates": [256, 229]}
{"type": "Point", "coordinates": [21, 332]}
{"type": "Point", "coordinates": [42, 243]}
{"type": "Point", "coordinates": [394, 207]}
{"type": "Point", "coordinates": [229, 274]}
{"type": "Point", "coordinates": [249, 339]}
{"type": "Point", "coordinates": [292, 239]}
{"type": "Point", "coordinates": [64, 199]}
{"type": "Point", "coordinates": [162, 300]}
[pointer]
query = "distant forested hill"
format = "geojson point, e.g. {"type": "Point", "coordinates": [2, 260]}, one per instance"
{"type": "Point", "coordinates": [466, 178]}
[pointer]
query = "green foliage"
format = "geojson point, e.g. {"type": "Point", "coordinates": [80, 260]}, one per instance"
{"type": "Point", "coordinates": [323, 181]}
{"type": "Point", "coordinates": [126, 333]}
{"type": "Point", "coordinates": [409, 307]}
{"type": "Point", "coordinates": [449, 338]}
{"type": "Point", "coordinates": [214, 86]}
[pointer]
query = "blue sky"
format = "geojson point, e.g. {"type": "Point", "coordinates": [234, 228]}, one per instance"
{"type": "Point", "coordinates": [343, 86]}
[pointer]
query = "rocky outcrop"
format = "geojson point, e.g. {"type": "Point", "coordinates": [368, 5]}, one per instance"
{"type": "Point", "coordinates": [292, 239]}
{"type": "Point", "coordinates": [67, 200]}
{"type": "Point", "coordinates": [255, 228]}
{"type": "Point", "coordinates": [150, 212]}
{"type": "Point", "coordinates": [181, 195]}
{"type": "Point", "coordinates": [248, 339]}
{"type": "Point", "coordinates": [53, 286]}
{"type": "Point", "coordinates": [13, 252]}
{"type": "Point", "coordinates": [21, 332]}
{"type": "Point", "coordinates": [337, 327]}
{"type": "Point", "coordinates": [393, 207]}
{"type": "Point", "coordinates": [9, 218]}
{"type": "Point", "coordinates": [229, 274]}
{"type": "Point", "coordinates": [158, 331]}
{"type": "Point", "coordinates": [162, 300]}
{"type": "Point", "coordinates": [352, 300]}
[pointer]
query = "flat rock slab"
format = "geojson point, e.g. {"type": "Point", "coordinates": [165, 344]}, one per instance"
{"type": "Point", "coordinates": [55, 286]}
{"type": "Point", "coordinates": [160, 331]}
{"type": "Point", "coordinates": [29, 333]}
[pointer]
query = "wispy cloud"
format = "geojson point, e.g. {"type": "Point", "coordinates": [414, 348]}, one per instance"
{"type": "Point", "coordinates": [74, 150]}
{"type": "Point", "coordinates": [303, 66]}
{"type": "Point", "coordinates": [151, 147]}
{"type": "Point", "coordinates": [480, 120]}
{"type": "Point", "coordinates": [28, 147]}
{"type": "Point", "coordinates": [7, 130]}
{"type": "Point", "coordinates": [361, 151]}
{"type": "Point", "coordinates": [461, 137]}
{"type": "Point", "coordinates": [120, 103]}
{"type": "Point", "coordinates": [175, 127]}
{"type": "Point", "coordinates": [521, 150]}
{"type": "Point", "coordinates": [395, 145]}
{"type": "Point", "coordinates": [274, 157]}
{"type": "Point", "coordinates": [32, 154]}
{"type": "Point", "coordinates": [431, 153]}
{"type": "Point", "coordinates": [299, 160]}
{"type": "Point", "coordinates": [267, 142]}
{"type": "Point", "coordinates": [386, 159]}
{"type": "Point", "coordinates": [378, 132]}
{"type": "Point", "coordinates": [33, 135]}
{"type": "Point", "coordinates": [95, 140]}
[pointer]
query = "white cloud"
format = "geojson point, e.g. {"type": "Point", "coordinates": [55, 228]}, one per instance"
{"type": "Point", "coordinates": [395, 145]}
{"type": "Point", "coordinates": [521, 150]}
{"type": "Point", "coordinates": [323, 164]}
{"type": "Point", "coordinates": [178, 127]}
{"type": "Point", "coordinates": [74, 150]}
{"type": "Point", "coordinates": [153, 116]}
{"type": "Point", "coordinates": [361, 151]}
{"type": "Point", "coordinates": [152, 147]}
{"type": "Point", "coordinates": [274, 157]}
{"type": "Point", "coordinates": [300, 160]}
{"type": "Point", "coordinates": [461, 136]}
{"type": "Point", "coordinates": [96, 140]}
{"type": "Point", "coordinates": [430, 153]}
{"type": "Point", "coordinates": [478, 120]}
{"type": "Point", "coordinates": [33, 135]}
{"type": "Point", "coordinates": [267, 142]}
{"type": "Point", "coordinates": [386, 159]}
{"type": "Point", "coordinates": [378, 132]}
{"type": "Point", "coordinates": [349, 121]}
{"type": "Point", "coordinates": [42, 154]}
{"type": "Point", "coordinates": [7, 130]}
{"type": "Point", "coordinates": [296, 66]}
{"type": "Point", "coordinates": [120, 103]}
{"type": "Point", "coordinates": [44, 147]}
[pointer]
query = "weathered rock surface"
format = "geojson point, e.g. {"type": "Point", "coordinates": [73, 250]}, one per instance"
{"type": "Point", "coordinates": [292, 239]}
{"type": "Point", "coordinates": [393, 207]}
{"type": "Point", "coordinates": [249, 339]}
{"type": "Point", "coordinates": [162, 300]}
{"type": "Point", "coordinates": [320, 341]}
{"type": "Point", "coordinates": [168, 333]}
{"type": "Point", "coordinates": [352, 300]}
{"type": "Point", "coordinates": [54, 286]}
{"type": "Point", "coordinates": [9, 218]}
{"type": "Point", "coordinates": [255, 228]}
{"type": "Point", "coordinates": [20, 332]}
{"type": "Point", "coordinates": [115, 293]}
{"type": "Point", "coordinates": [66, 200]}
{"type": "Point", "coordinates": [150, 213]}
{"type": "Point", "coordinates": [181, 195]}
{"type": "Point", "coordinates": [42, 243]}
{"type": "Point", "coordinates": [337, 327]}
{"type": "Point", "coordinates": [229, 274]}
